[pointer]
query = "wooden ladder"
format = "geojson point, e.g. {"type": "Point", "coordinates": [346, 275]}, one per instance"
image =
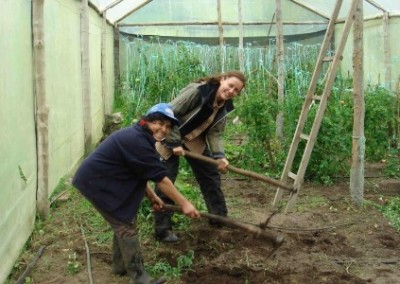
{"type": "Point", "coordinates": [311, 97]}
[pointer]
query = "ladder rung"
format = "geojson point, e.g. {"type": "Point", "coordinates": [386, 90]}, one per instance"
{"type": "Point", "coordinates": [293, 176]}
{"type": "Point", "coordinates": [328, 58]}
{"type": "Point", "coordinates": [318, 98]}
{"type": "Point", "coordinates": [331, 58]}
{"type": "Point", "coordinates": [304, 136]}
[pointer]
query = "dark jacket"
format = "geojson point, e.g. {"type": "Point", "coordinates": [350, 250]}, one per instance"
{"type": "Point", "coordinates": [114, 176]}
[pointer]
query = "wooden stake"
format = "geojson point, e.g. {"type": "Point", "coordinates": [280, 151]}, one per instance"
{"type": "Point", "coordinates": [89, 264]}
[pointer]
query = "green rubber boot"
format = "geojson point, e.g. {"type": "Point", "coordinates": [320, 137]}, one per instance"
{"type": "Point", "coordinates": [133, 260]}
{"type": "Point", "coordinates": [118, 266]}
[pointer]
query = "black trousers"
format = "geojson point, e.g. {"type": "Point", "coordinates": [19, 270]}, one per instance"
{"type": "Point", "coordinates": [209, 180]}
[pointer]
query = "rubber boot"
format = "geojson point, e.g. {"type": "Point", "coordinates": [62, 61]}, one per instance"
{"type": "Point", "coordinates": [163, 227]}
{"type": "Point", "coordinates": [118, 267]}
{"type": "Point", "coordinates": [133, 260]}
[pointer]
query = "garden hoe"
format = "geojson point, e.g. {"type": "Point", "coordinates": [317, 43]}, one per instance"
{"type": "Point", "coordinates": [251, 174]}
{"type": "Point", "coordinates": [257, 230]}
{"type": "Point", "coordinates": [277, 240]}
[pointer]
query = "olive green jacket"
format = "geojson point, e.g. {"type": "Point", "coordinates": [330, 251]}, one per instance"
{"type": "Point", "coordinates": [192, 107]}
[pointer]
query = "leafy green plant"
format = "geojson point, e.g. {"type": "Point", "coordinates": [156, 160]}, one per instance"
{"type": "Point", "coordinates": [392, 212]}
{"type": "Point", "coordinates": [73, 265]}
{"type": "Point", "coordinates": [157, 71]}
{"type": "Point", "coordinates": [184, 262]}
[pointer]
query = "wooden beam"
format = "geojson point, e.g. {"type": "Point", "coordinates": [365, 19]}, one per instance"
{"type": "Point", "coordinates": [375, 17]}
{"type": "Point", "coordinates": [255, 23]}
{"type": "Point", "coordinates": [376, 5]}
{"type": "Point", "coordinates": [111, 5]}
{"type": "Point", "coordinates": [94, 7]}
{"type": "Point", "coordinates": [310, 9]}
{"type": "Point", "coordinates": [133, 11]}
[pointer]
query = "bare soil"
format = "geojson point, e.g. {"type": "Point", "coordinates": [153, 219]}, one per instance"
{"type": "Point", "coordinates": [326, 240]}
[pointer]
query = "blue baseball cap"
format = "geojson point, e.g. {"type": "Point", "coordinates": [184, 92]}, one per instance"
{"type": "Point", "coordinates": [165, 109]}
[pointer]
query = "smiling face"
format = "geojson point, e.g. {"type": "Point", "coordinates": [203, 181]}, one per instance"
{"type": "Point", "coordinates": [160, 128]}
{"type": "Point", "coordinates": [229, 88]}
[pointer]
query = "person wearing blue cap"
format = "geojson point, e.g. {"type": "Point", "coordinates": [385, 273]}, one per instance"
{"type": "Point", "coordinates": [201, 107]}
{"type": "Point", "coordinates": [114, 178]}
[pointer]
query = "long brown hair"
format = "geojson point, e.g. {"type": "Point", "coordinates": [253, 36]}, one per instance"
{"type": "Point", "coordinates": [217, 78]}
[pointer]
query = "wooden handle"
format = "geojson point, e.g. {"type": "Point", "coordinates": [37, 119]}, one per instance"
{"type": "Point", "coordinates": [257, 231]}
{"type": "Point", "coordinates": [240, 171]}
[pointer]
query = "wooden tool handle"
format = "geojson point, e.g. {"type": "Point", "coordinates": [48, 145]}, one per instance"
{"type": "Point", "coordinates": [240, 171]}
{"type": "Point", "coordinates": [257, 231]}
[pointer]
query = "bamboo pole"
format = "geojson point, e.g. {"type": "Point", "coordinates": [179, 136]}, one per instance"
{"type": "Point", "coordinates": [221, 36]}
{"type": "Point", "coordinates": [358, 148]}
{"type": "Point", "coordinates": [240, 171]}
{"type": "Point", "coordinates": [387, 51]}
{"type": "Point", "coordinates": [42, 110]}
{"type": "Point", "coordinates": [281, 69]}
{"type": "Point", "coordinates": [87, 117]}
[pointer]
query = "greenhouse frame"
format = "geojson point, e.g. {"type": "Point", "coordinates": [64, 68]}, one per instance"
{"type": "Point", "coordinates": [64, 60]}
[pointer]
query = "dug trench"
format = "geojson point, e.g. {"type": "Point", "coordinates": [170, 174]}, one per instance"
{"type": "Point", "coordinates": [326, 240]}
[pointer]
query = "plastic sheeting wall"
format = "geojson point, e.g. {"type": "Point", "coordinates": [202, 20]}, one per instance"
{"type": "Point", "coordinates": [374, 53]}
{"type": "Point", "coordinates": [18, 170]}
{"type": "Point", "coordinates": [18, 142]}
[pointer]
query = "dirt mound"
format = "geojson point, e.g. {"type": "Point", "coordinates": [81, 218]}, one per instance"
{"type": "Point", "coordinates": [326, 240]}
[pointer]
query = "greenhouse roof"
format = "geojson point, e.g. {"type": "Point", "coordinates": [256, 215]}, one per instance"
{"type": "Point", "coordinates": [180, 12]}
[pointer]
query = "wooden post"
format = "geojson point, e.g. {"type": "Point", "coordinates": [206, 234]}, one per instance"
{"type": "Point", "coordinates": [87, 117]}
{"type": "Point", "coordinates": [281, 68]}
{"type": "Point", "coordinates": [398, 110]}
{"type": "Point", "coordinates": [240, 49]}
{"type": "Point", "coordinates": [221, 36]}
{"type": "Point", "coordinates": [358, 148]}
{"type": "Point", "coordinates": [42, 110]}
{"type": "Point", "coordinates": [117, 78]}
{"type": "Point", "coordinates": [106, 105]}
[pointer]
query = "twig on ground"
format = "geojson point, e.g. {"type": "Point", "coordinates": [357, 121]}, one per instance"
{"type": "Point", "coordinates": [310, 229]}
{"type": "Point", "coordinates": [59, 195]}
{"type": "Point", "coordinates": [89, 265]}
{"type": "Point", "coordinates": [367, 261]}
{"type": "Point", "coordinates": [30, 266]}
